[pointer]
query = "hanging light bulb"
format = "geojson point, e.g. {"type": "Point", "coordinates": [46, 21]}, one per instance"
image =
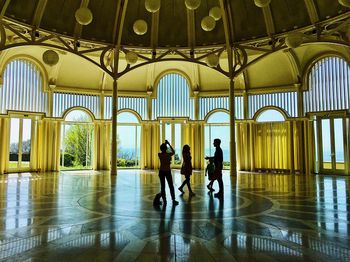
{"type": "Point", "coordinates": [212, 60]}
{"type": "Point", "coordinates": [293, 40]}
{"type": "Point", "coordinates": [345, 3]}
{"type": "Point", "coordinates": [215, 12]}
{"type": "Point", "coordinates": [262, 3]}
{"type": "Point", "coordinates": [140, 27]}
{"type": "Point", "coordinates": [50, 57]}
{"type": "Point", "coordinates": [83, 16]}
{"type": "Point", "coordinates": [192, 4]}
{"type": "Point", "coordinates": [208, 23]}
{"type": "Point", "coordinates": [131, 58]}
{"type": "Point", "coordinates": [152, 6]}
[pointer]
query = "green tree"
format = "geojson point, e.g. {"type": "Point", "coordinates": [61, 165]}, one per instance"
{"type": "Point", "coordinates": [78, 142]}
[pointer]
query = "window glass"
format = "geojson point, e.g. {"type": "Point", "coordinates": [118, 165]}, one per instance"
{"type": "Point", "coordinates": [270, 115]}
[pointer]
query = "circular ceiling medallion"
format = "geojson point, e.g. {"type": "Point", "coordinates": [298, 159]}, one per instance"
{"type": "Point", "coordinates": [152, 6]}
{"type": "Point", "coordinates": [50, 57]}
{"type": "Point", "coordinates": [262, 3]}
{"type": "Point", "coordinates": [131, 58]}
{"type": "Point", "coordinates": [208, 23]}
{"type": "Point", "coordinates": [215, 12]}
{"type": "Point", "coordinates": [212, 60]}
{"type": "Point", "coordinates": [140, 27]}
{"type": "Point", "coordinates": [83, 16]}
{"type": "Point", "coordinates": [192, 4]}
{"type": "Point", "coordinates": [345, 3]}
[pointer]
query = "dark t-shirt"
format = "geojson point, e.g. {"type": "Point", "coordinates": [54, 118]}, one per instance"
{"type": "Point", "coordinates": [218, 158]}
{"type": "Point", "coordinates": [165, 160]}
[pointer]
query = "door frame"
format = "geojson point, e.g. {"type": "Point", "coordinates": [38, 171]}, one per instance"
{"type": "Point", "coordinates": [62, 144]}
{"type": "Point", "coordinates": [346, 138]}
{"type": "Point", "coordinates": [172, 121]}
{"type": "Point", "coordinates": [21, 117]}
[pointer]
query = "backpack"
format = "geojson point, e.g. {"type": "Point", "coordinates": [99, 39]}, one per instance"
{"type": "Point", "coordinates": [156, 200]}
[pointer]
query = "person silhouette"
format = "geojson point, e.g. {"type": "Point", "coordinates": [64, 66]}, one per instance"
{"type": "Point", "coordinates": [165, 171]}
{"type": "Point", "coordinates": [218, 162]}
{"type": "Point", "coordinates": [186, 169]}
{"type": "Point", "coordinates": [210, 171]}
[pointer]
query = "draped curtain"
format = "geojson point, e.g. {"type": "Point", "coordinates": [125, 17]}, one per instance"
{"type": "Point", "coordinates": [102, 145]}
{"type": "Point", "coordinates": [4, 144]}
{"type": "Point", "coordinates": [271, 146]}
{"type": "Point", "coordinates": [150, 142]}
{"type": "Point", "coordinates": [193, 135]}
{"type": "Point", "coordinates": [46, 149]}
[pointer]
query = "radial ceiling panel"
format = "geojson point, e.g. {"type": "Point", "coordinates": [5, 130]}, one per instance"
{"type": "Point", "coordinates": [248, 20]}
{"type": "Point", "coordinates": [273, 71]}
{"type": "Point", "coordinates": [2, 3]}
{"type": "Point", "coordinates": [172, 29]}
{"type": "Point", "coordinates": [59, 16]}
{"type": "Point", "coordinates": [173, 24]}
{"type": "Point", "coordinates": [22, 10]}
{"type": "Point", "coordinates": [283, 20]}
{"type": "Point", "coordinates": [329, 8]}
{"type": "Point", "coordinates": [102, 25]}
{"type": "Point", "coordinates": [129, 82]}
{"type": "Point", "coordinates": [136, 10]}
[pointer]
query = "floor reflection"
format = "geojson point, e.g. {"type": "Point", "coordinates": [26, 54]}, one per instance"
{"type": "Point", "coordinates": [87, 215]}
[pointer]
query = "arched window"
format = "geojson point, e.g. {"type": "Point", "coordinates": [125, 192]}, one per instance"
{"type": "Point", "coordinates": [173, 98]}
{"type": "Point", "coordinates": [78, 116]}
{"type": "Point", "coordinates": [270, 115]}
{"type": "Point", "coordinates": [77, 141]}
{"type": "Point", "coordinates": [218, 117]}
{"type": "Point", "coordinates": [329, 81]}
{"type": "Point", "coordinates": [218, 126]}
{"type": "Point", "coordinates": [129, 140]}
{"type": "Point", "coordinates": [22, 88]}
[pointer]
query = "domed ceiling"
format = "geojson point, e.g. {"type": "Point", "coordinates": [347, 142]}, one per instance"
{"type": "Point", "coordinates": [173, 25]}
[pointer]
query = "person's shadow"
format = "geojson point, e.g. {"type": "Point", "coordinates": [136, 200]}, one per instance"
{"type": "Point", "coordinates": [164, 232]}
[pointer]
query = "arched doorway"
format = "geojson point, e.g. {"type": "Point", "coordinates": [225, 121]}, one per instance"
{"type": "Point", "coordinates": [218, 126]}
{"type": "Point", "coordinates": [129, 140]}
{"type": "Point", "coordinates": [329, 80]}
{"type": "Point", "coordinates": [77, 141]}
{"type": "Point", "coordinates": [173, 107]}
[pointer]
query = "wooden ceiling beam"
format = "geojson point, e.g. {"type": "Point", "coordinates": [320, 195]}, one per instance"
{"type": "Point", "coordinates": [3, 9]}
{"type": "Point", "coordinates": [269, 22]}
{"type": "Point", "coordinates": [78, 27]}
{"type": "Point", "coordinates": [119, 22]}
{"type": "Point", "coordinates": [155, 30]}
{"type": "Point", "coordinates": [312, 11]}
{"type": "Point", "coordinates": [39, 12]}
{"type": "Point", "coordinates": [191, 31]}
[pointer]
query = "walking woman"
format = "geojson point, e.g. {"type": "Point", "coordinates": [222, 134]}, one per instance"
{"type": "Point", "coordinates": [186, 169]}
{"type": "Point", "coordinates": [165, 171]}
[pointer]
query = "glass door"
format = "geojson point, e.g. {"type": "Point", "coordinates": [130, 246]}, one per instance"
{"type": "Point", "coordinates": [331, 136]}
{"type": "Point", "coordinates": [20, 144]}
{"type": "Point", "coordinates": [171, 131]}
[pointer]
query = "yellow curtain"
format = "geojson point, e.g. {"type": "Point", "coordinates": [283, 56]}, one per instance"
{"type": "Point", "coordinates": [192, 135]}
{"type": "Point", "coordinates": [301, 147]}
{"type": "Point", "coordinates": [271, 146]}
{"type": "Point", "coordinates": [46, 156]}
{"type": "Point", "coordinates": [4, 144]}
{"type": "Point", "coordinates": [102, 145]}
{"type": "Point", "coordinates": [150, 142]}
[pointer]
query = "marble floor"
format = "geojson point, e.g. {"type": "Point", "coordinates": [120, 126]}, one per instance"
{"type": "Point", "coordinates": [90, 216]}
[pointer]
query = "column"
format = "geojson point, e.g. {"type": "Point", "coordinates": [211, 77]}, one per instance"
{"type": "Point", "coordinates": [233, 168]}
{"type": "Point", "coordinates": [300, 100]}
{"type": "Point", "coordinates": [114, 127]}
{"type": "Point", "coordinates": [196, 105]}
{"type": "Point", "coordinates": [245, 105]}
{"type": "Point", "coordinates": [149, 104]}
